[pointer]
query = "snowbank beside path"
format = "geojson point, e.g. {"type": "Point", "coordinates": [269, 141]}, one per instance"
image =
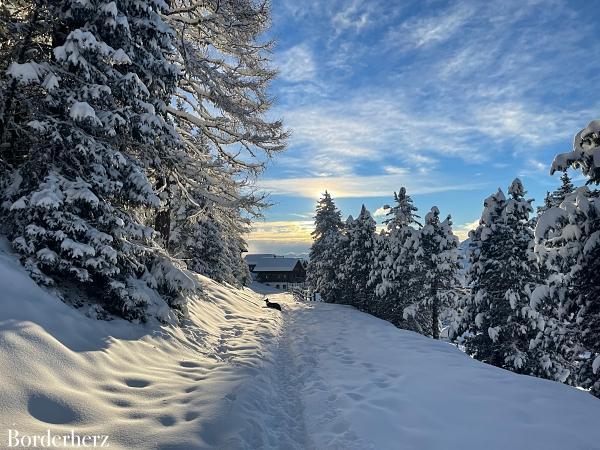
{"type": "Point", "coordinates": [369, 385]}
{"type": "Point", "coordinates": [144, 386]}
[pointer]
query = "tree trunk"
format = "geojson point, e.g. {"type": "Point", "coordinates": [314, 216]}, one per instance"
{"type": "Point", "coordinates": [162, 224]}
{"type": "Point", "coordinates": [435, 317]}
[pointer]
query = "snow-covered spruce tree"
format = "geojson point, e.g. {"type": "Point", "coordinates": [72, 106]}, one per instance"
{"type": "Point", "coordinates": [563, 191]}
{"type": "Point", "coordinates": [341, 250]}
{"type": "Point", "coordinates": [547, 204]}
{"type": "Point", "coordinates": [213, 246]}
{"type": "Point", "coordinates": [553, 344]}
{"type": "Point", "coordinates": [584, 155]}
{"type": "Point", "coordinates": [220, 113]}
{"type": "Point", "coordinates": [324, 265]}
{"type": "Point", "coordinates": [378, 306]}
{"type": "Point", "coordinates": [394, 265]}
{"type": "Point", "coordinates": [568, 239]}
{"type": "Point", "coordinates": [357, 265]}
{"type": "Point", "coordinates": [437, 258]}
{"type": "Point", "coordinates": [83, 127]}
{"type": "Point", "coordinates": [556, 197]}
{"type": "Point", "coordinates": [496, 314]}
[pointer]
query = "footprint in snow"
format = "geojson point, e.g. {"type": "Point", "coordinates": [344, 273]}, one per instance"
{"type": "Point", "coordinates": [137, 382]}
{"type": "Point", "coordinates": [50, 410]}
{"type": "Point", "coordinates": [189, 364]}
{"type": "Point", "coordinates": [167, 420]}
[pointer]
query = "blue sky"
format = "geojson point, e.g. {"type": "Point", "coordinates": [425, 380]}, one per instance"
{"type": "Point", "coordinates": [450, 99]}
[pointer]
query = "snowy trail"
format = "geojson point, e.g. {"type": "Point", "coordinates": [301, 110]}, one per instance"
{"type": "Point", "coordinates": [361, 383]}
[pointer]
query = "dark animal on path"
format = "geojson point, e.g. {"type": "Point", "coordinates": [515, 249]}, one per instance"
{"type": "Point", "coordinates": [276, 306]}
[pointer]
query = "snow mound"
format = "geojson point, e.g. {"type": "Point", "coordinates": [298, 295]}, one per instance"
{"type": "Point", "coordinates": [145, 386]}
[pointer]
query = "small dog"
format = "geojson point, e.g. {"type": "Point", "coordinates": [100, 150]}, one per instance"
{"type": "Point", "coordinates": [276, 306]}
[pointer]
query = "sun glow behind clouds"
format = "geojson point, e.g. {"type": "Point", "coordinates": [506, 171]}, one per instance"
{"type": "Point", "coordinates": [360, 187]}
{"type": "Point", "coordinates": [288, 231]}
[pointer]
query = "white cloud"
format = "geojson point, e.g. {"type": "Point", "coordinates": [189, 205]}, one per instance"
{"type": "Point", "coordinates": [421, 32]}
{"type": "Point", "coordinates": [351, 17]}
{"type": "Point", "coordinates": [462, 230]}
{"type": "Point", "coordinates": [297, 231]}
{"type": "Point", "coordinates": [334, 138]}
{"type": "Point", "coordinates": [381, 212]}
{"type": "Point", "coordinates": [503, 120]}
{"type": "Point", "coordinates": [297, 64]}
{"type": "Point", "coordinates": [395, 170]}
{"type": "Point", "coordinates": [361, 186]}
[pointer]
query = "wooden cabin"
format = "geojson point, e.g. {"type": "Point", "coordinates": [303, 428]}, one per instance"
{"type": "Point", "coordinates": [277, 271]}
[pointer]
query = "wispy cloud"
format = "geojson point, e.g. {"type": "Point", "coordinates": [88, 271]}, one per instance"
{"type": "Point", "coordinates": [423, 31]}
{"type": "Point", "coordinates": [292, 231]}
{"type": "Point", "coordinates": [297, 64]}
{"type": "Point", "coordinates": [337, 137]}
{"type": "Point", "coordinates": [354, 16]}
{"type": "Point", "coordinates": [432, 95]}
{"type": "Point", "coordinates": [362, 186]}
{"type": "Point", "coordinates": [395, 170]}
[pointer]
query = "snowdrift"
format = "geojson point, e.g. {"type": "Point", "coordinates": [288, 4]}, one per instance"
{"type": "Point", "coordinates": [144, 386]}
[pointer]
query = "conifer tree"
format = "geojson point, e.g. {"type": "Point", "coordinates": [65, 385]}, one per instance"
{"type": "Point", "coordinates": [565, 189]}
{"type": "Point", "coordinates": [548, 203]}
{"type": "Point", "coordinates": [324, 265]}
{"type": "Point", "coordinates": [358, 264]}
{"type": "Point", "coordinates": [568, 241]}
{"type": "Point", "coordinates": [394, 262]}
{"type": "Point", "coordinates": [341, 250]}
{"type": "Point", "coordinates": [126, 130]}
{"type": "Point", "coordinates": [88, 103]}
{"type": "Point", "coordinates": [437, 258]}
{"type": "Point", "coordinates": [496, 314]}
{"type": "Point", "coordinates": [220, 113]}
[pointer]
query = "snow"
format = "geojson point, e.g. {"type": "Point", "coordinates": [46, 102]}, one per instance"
{"type": "Point", "coordinates": [120, 57]}
{"type": "Point", "coordinates": [49, 197]}
{"type": "Point", "coordinates": [237, 375]}
{"type": "Point", "coordinates": [110, 9]}
{"type": "Point", "coordinates": [494, 332]}
{"type": "Point", "coordinates": [585, 151]}
{"type": "Point", "coordinates": [82, 110]}
{"type": "Point", "coordinates": [26, 73]}
{"type": "Point", "coordinates": [77, 249]}
{"type": "Point", "coordinates": [538, 295]}
{"type": "Point", "coordinates": [548, 220]}
{"type": "Point", "coordinates": [146, 386]}
{"type": "Point", "coordinates": [596, 364]}
{"type": "Point", "coordinates": [276, 264]}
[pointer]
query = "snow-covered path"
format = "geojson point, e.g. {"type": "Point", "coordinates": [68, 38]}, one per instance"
{"type": "Point", "coordinates": [363, 384]}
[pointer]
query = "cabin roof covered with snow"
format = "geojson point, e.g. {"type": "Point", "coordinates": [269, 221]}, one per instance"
{"type": "Point", "coordinates": [275, 264]}
{"type": "Point", "coordinates": [253, 258]}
